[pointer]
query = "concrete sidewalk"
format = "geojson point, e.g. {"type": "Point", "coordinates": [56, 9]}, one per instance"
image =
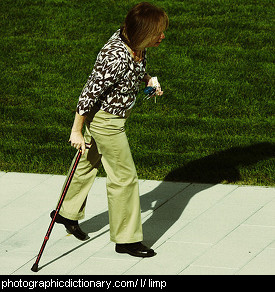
{"type": "Point", "coordinates": [197, 229]}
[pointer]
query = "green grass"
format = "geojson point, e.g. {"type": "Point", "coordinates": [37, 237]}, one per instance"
{"type": "Point", "coordinates": [215, 122]}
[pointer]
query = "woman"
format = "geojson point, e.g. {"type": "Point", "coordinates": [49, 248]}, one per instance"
{"type": "Point", "coordinates": [103, 106]}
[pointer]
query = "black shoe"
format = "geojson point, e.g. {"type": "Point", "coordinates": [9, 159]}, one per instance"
{"type": "Point", "coordinates": [136, 249]}
{"type": "Point", "coordinates": [71, 226]}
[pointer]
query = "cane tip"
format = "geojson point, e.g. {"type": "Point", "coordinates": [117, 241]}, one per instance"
{"type": "Point", "coordinates": [35, 267]}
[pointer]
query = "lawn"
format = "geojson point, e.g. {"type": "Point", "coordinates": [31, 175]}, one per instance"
{"type": "Point", "coordinates": [214, 123]}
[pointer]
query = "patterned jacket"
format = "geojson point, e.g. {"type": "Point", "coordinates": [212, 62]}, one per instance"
{"type": "Point", "coordinates": [114, 81]}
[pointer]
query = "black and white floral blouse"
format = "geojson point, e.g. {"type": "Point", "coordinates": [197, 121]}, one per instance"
{"type": "Point", "coordinates": [114, 81]}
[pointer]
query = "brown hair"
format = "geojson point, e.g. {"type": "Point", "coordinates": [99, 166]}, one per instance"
{"type": "Point", "coordinates": [142, 23]}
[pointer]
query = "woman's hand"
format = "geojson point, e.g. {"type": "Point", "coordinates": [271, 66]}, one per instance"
{"type": "Point", "coordinates": [76, 138]}
{"type": "Point", "coordinates": [158, 90]}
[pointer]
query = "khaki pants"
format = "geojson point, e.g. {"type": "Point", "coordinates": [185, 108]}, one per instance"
{"type": "Point", "coordinates": [110, 146]}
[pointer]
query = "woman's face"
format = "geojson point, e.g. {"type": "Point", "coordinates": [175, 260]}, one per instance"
{"type": "Point", "coordinates": [157, 40]}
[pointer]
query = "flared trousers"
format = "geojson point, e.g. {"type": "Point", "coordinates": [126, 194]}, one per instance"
{"type": "Point", "coordinates": [109, 146]}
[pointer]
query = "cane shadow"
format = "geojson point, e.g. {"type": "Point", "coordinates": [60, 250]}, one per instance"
{"type": "Point", "coordinates": [165, 204]}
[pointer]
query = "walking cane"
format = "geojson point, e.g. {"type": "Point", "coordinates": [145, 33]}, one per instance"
{"type": "Point", "coordinates": [69, 179]}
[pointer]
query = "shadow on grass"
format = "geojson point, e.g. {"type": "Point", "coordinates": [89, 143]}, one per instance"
{"type": "Point", "coordinates": [205, 172]}
{"type": "Point", "coordinates": [222, 166]}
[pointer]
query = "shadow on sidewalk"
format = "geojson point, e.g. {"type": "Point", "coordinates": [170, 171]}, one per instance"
{"type": "Point", "coordinates": [205, 172]}
{"type": "Point", "coordinates": [222, 167]}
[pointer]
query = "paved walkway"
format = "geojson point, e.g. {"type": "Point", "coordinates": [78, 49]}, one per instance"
{"type": "Point", "coordinates": [194, 228]}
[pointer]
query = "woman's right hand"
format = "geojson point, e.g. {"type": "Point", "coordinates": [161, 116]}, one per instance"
{"type": "Point", "coordinates": [77, 140]}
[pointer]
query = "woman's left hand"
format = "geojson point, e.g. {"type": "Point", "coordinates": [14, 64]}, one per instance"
{"type": "Point", "coordinates": [158, 90]}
